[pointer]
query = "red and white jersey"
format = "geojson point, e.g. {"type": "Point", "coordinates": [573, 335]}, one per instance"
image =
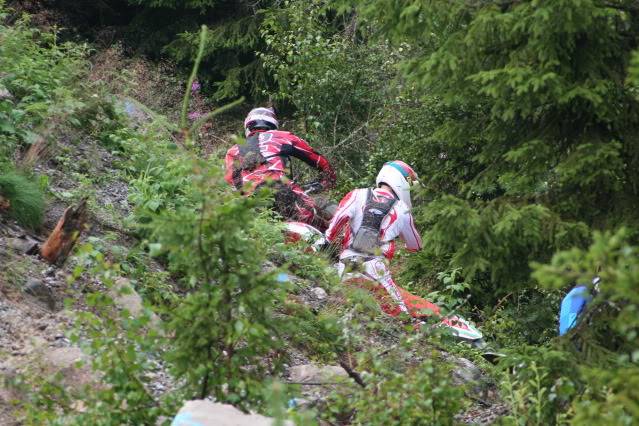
{"type": "Point", "coordinates": [398, 223]}
{"type": "Point", "coordinates": [275, 147]}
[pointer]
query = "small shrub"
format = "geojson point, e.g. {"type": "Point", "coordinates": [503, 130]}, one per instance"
{"type": "Point", "coordinates": [409, 386]}
{"type": "Point", "coordinates": [26, 200]}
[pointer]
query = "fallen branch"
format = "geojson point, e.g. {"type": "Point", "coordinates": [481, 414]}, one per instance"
{"type": "Point", "coordinates": [61, 241]}
{"type": "Point", "coordinates": [352, 373]}
{"type": "Point", "coordinates": [478, 400]}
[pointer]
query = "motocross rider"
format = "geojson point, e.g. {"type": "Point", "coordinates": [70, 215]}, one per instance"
{"type": "Point", "coordinates": [371, 221]}
{"type": "Point", "coordinates": [263, 159]}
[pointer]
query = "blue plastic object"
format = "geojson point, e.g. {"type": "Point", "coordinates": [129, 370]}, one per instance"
{"type": "Point", "coordinates": [282, 277]}
{"type": "Point", "coordinates": [571, 306]}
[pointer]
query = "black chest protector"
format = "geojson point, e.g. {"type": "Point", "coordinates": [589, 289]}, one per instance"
{"type": "Point", "coordinates": [366, 239]}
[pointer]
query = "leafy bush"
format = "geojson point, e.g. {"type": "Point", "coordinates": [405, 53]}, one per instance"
{"type": "Point", "coordinates": [396, 394]}
{"type": "Point", "coordinates": [588, 375]}
{"type": "Point", "coordinates": [26, 200]}
{"type": "Point", "coordinates": [337, 82]}
{"type": "Point", "coordinates": [614, 259]}
{"type": "Point", "coordinates": [227, 323]}
{"type": "Point", "coordinates": [539, 384]}
{"type": "Point", "coordinates": [40, 75]}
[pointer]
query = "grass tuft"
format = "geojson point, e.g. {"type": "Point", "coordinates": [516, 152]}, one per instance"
{"type": "Point", "coordinates": [26, 200]}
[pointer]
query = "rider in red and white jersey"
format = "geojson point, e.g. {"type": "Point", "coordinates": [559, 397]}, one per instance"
{"type": "Point", "coordinates": [392, 192]}
{"type": "Point", "coordinates": [264, 159]}
{"type": "Point", "coordinates": [371, 221]}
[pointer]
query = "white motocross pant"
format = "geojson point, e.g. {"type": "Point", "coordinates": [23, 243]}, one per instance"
{"type": "Point", "coordinates": [375, 269]}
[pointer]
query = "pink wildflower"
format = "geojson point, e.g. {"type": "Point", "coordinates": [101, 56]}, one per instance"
{"type": "Point", "coordinates": [195, 115]}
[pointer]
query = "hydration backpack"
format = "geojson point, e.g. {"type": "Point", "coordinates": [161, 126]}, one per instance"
{"type": "Point", "coordinates": [366, 239]}
{"type": "Point", "coordinates": [251, 154]}
{"type": "Point", "coordinates": [250, 158]}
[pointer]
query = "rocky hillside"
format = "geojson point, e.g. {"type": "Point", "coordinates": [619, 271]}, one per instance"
{"type": "Point", "coordinates": [136, 287]}
{"type": "Point", "coordinates": [41, 302]}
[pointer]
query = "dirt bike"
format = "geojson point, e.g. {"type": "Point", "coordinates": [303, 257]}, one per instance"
{"type": "Point", "coordinates": [420, 309]}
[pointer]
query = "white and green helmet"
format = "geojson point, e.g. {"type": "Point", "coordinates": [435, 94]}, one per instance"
{"type": "Point", "coordinates": [400, 177]}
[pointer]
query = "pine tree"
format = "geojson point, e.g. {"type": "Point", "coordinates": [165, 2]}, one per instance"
{"type": "Point", "coordinates": [533, 136]}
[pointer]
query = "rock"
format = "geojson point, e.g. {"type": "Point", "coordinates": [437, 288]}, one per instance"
{"type": "Point", "coordinates": [465, 371]}
{"type": "Point", "coordinates": [41, 292]}
{"type": "Point", "coordinates": [206, 413]}
{"type": "Point", "coordinates": [5, 94]}
{"type": "Point", "coordinates": [311, 373]}
{"type": "Point", "coordinates": [135, 113]}
{"type": "Point", "coordinates": [64, 361]}
{"type": "Point", "coordinates": [125, 297]}
{"type": "Point", "coordinates": [23, 245]}
{"type": "Point", "coordinates": [319, 293]}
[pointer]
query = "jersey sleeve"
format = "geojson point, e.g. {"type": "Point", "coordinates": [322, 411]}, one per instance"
{"type": "Point", "coordinates": [230, 162]}
{"type": "Point", "coordinates": [303, 151]}
{"type": "Point", "coordinates": [342, 216]}
{"type": "Point", "coordinates": [409, 233]}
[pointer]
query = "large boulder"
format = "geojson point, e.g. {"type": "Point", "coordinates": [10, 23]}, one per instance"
{"type": "Point", "coordinates": [201, 412]}
{"type": "Point", "coordinates": [311, 373]}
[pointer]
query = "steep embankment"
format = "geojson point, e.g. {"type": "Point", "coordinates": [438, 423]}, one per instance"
{"type": "Point", "coordinates": [169, 296]}
{"type": "Point", "coordinates": [36, 325]}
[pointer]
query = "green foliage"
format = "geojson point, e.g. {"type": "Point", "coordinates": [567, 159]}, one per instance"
{"type": "Point", "coordinates": [548, 385]}
{"type": "Point", "coordinates": [175, 4]}
{"type": "Point", "coordinates": [230, 66]}
{"type": "Point", "coordinates": [613, 258]}
{"type": "Point", "coordinates": [227, 323]}
{"type": "Point", "coordinates": [520, 123]}
{"type": "Point", "coordinates": [123, 349]}
{"type": "Point", "coordinates": [521, 318]}
{"type": "Point", "coordinates": [26, 200]}
{"type": "Point", "coordinates": [538, 384]}
{"type": "Point", "coordinates": [494, 242]}
{"type": "Point", "coordinates": [611, 397]}
{"type": "Point", "coordinates": [394, 395]}
{"type": "Point", "coordinates": [337, 82]}
{"type": "Point", "coordinates": [588, 375]}
{"type": "Point", "coordinates": [38, 73]}
{"type": "Point", "coordinates": [521, 118]}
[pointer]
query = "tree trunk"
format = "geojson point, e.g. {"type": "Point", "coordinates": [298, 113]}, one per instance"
{"type": "Point", "coordinates": [59, 244]}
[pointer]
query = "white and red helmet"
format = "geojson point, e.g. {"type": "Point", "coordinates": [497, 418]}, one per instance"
{"type": "Point", "coordinates": [400, 177]}
{"type": "Point", "coordinates": [260, 118]}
